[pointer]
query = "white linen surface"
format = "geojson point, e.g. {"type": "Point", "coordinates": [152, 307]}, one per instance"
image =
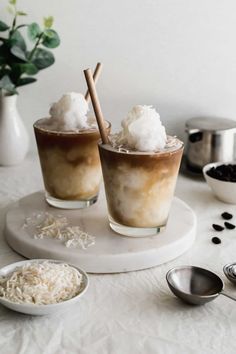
{"type": "Point", "coordinates": [131, 312]}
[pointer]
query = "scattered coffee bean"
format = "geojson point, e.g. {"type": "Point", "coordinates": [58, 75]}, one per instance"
{"type": "Point", "coordinates": [217, 227]}
{"type": "Point", "coordinates": [229, 226]}
{"type": "Point", "coordinates": [216, 240]}
{"type": "Point", "coordinates": [226, 216]}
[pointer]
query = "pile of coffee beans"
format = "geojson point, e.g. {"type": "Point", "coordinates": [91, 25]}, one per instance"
{"type": "Point", "coordinates": [223, 173]}
{"type": "Point", "coordinates": [219, 228]}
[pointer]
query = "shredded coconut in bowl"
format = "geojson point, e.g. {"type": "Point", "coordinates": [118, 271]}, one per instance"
{"type": "Point", "coordinates": [41, 283]}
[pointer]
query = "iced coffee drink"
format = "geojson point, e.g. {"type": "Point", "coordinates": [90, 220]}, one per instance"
{"type": "Point", "coordinates": [140, 169]}
{"type": "Point", "coordinates": [67, 147]}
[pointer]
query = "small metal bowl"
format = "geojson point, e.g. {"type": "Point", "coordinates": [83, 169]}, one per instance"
{"type": "Point", "coordinates": [230, 272]}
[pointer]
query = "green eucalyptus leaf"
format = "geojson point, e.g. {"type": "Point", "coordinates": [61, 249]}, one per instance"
{"type": "Point", "coordinates": [4, 71]}
{"type": "Point", "coordinates": [3, 26]}
{"type": "Point", "coordinates": [12, 2]}
{"type": "Point", "coordinates": [18, 52]}
{"type": "Point", "coordinates": [51, 39]}
{"type": "Point", "coordinates": [26, 81]}
{"type": "Point", "coordinates": [42, 58]}
{"type": "Point", "coordinates": [21, 13]}
{"type": "Point", "coordinates": [24, 68]}
{"type": "Point", "coordinates": [2, 59]}
{"type": "Point", "coordinates": [4, 51]}
{"type": "Point", "coordinates": [6, 58]}
{"type": "Point", "coordinates": [16, 39]}
{"type": "Point", "coordinates": [7, 84]}
{"type": "Point", "coordinates": [29, 68]}
{"type": "Point", "coordinates": [33, 31]}
{"type": "Point", "coordinates": [48, 22]}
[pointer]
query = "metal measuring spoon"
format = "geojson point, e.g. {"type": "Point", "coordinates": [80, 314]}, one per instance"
{"type": "Point", "coordinates": [195, 285]}
{"type": "Point", "coordinates": [230, 272]}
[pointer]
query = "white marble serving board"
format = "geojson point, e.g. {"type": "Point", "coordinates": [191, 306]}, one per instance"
{"type": "Point", "coordinates": [111, 252]}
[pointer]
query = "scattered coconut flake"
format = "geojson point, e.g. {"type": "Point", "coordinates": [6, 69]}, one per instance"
{"type": "Point", "coordinates": [46, 225]}
{"type": "Point", "coordinates": [122, 149]}
{"type": "Point", "coordinates": [41, 283]}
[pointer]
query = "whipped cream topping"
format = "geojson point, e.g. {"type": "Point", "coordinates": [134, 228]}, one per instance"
{"type": "Point", "coordinates": [142, 130]}
{"type": "Point", "coordinates": [69, 113]}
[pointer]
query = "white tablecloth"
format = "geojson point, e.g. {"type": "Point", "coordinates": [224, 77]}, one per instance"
{"type": "Point", "coordinates": [131, 312]}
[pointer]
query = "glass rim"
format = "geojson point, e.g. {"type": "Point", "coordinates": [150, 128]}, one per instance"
{"type": "Point", "coordinates": [69, 132]}
{"type": "Point", "coordinates": [110, 148]}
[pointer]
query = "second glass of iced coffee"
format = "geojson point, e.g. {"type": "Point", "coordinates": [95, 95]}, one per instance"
{"type": "Point", "coordinates": [140, 168]}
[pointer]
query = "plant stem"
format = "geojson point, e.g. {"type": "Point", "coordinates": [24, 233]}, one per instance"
{"type": "Point", "coordinates": [20, 27]}
{"type": "Point", "coordinates": [14, 21]}
{"type": "Point", "coordinates": [35, 47]}
{"type": "Point", "coordinates": [13, 24]}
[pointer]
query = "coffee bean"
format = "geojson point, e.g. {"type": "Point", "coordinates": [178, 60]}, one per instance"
{"type": "Point", "coordinates": [217, 227]}
{"type": "Point", "coordinates": [216, 240]}
{"type": "Point", "coordinates": [226, 216]}
{"type": "Point", "coordinates": [229, 226]}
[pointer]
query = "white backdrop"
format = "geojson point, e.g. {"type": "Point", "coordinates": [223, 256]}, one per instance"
{"type": "Point", "coordinates": [178, 55]}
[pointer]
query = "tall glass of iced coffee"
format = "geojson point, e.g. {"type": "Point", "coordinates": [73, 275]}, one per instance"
{"type": "Point", "coordinates": [140, 169]}
{"type": "Point", "coordinates": [67, 147]}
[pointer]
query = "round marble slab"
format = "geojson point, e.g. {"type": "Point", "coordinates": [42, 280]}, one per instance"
{"type": "Point", "coordinates": [111, 253]}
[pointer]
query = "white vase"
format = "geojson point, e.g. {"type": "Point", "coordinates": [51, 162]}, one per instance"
{"type": "Point", "coordinates": [14, 140]}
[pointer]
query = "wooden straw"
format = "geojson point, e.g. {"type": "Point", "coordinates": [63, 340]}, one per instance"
{"type": "Point", "coordinates": [96, 75]}
{"type": "Point", "coordinates": [96, 105]}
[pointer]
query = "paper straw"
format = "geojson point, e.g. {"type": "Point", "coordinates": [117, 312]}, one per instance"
{"type": "Point", "coordinates": [96, 75]}
{"type": "Point", "coordinates": [96, 105]}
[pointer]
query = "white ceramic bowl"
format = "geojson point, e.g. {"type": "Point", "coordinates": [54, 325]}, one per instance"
{"type": "Point", "coordinates": [224, 191]}
{"type": "Point", "coordinates": [40, 310]}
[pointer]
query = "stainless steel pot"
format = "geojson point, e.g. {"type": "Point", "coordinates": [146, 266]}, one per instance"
{"type": "Point", "coordinates": [209, 140]}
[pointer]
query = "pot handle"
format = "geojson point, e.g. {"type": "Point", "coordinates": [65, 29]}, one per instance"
{"type": "Point", "coordinates": [194, 135]}
{"type": "Point", "coordinates": [192, 130]}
